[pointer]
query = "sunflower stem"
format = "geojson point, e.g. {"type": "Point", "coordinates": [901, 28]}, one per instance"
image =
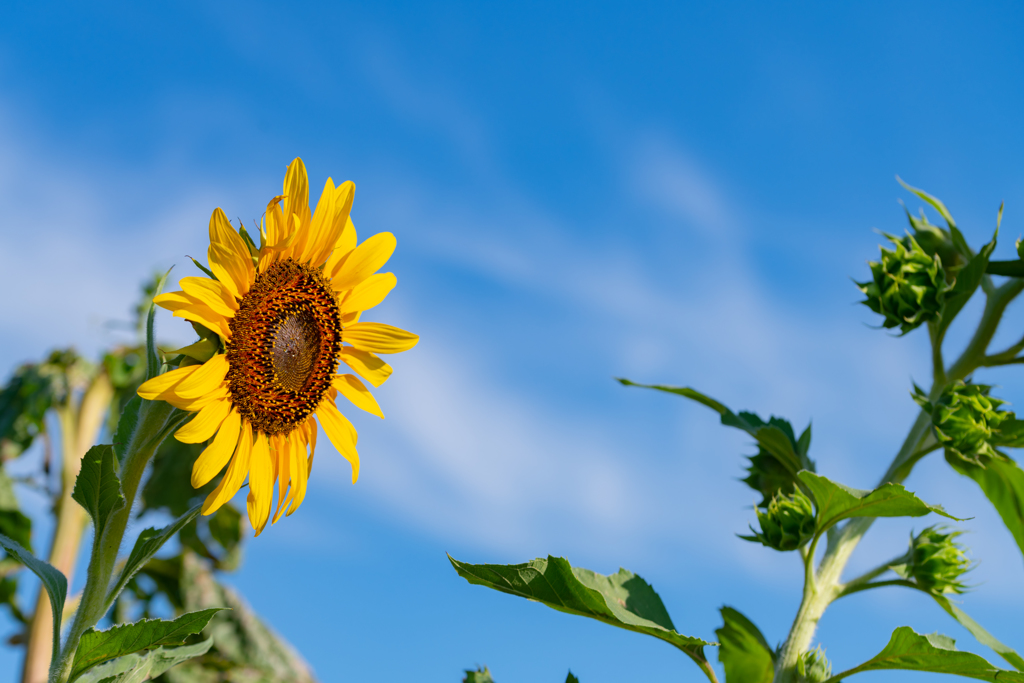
{"type": "Point", "coordinates": [154, 420]}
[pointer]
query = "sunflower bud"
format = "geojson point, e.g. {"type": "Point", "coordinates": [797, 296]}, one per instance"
{"type": "Point", "coordinates": [787, 523]}
{"type": "Point", "coordinates": [936, 240]}
{"type": "Point", "coordinates": [813, 666]}
{"type": "Point", "coordinates": [966, 419]}
{"type": "Point", "coordinates": [908, 287]}
{"type": "Point", "coordinates": [936, 561]}
{"type": "Point", "coordinates": [768, 476]}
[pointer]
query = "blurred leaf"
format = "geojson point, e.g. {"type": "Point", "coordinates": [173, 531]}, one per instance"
{"type": "Point", "coordinates": [30, 392]}
{"type": "Point", "coordinates": [1002, 482]}
{"type": "Point", "coordinates": [982, 636]}
{"type": "Point", "coordinates": [967, 281]}
{"type": "Point", "coordinates": [97, 488]}
{"type": "Point", "coordinates": [478, 676]}
{"type": "Point", "coordinates": [622, 599]}
{"type": "Point", "coordinates": [835, 502]}
{"type": "Point", "coordinates": [744, 652]}
{"type": "Point", "coordinates": [55, 583]}
{"type": "Point", "coordinates": [936, 653]}
{"type": "Point", "coordinates": [135, 668]}
{"type": "Point", "coordinates": [571, 679]}
{"type": "Point", "coordinates": [13, 523]}
{"type": "Point", "coordinates": [124, 639]}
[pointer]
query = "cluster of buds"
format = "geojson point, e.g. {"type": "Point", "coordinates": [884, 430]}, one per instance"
{"type": "Point", "coordinates": [966, 420]}
{"type": "Point", "coordinates": [907, 286]}
{"type": "Point", "coordinates": [787, 523]}
{"type": "Point", "coordinates": [935, 561]}
{"type": "Point", "coordinates": [813, 667]}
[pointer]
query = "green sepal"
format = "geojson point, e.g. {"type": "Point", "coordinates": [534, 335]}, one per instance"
{"type": "Point", "coordinates": [54, 582]}
{"type": "Point", "coordinates": [203, 268]}
{"type": "Point", "coordinates": [788, 522]}
{"type": "Point", "coordinates": [97, 647]}
{"type": "Point", "coordinates": [135, 668]}
{"type": "Point", "coordinates": [97, 488]}
{"type": "Point", "coordinates": [933, 201]}
{"type": "Point", "coordinates": [622, 599]}
{"type": "Point", "coordinates": [744, 652]}
{"type": "Point", "coordinates": [152, 353]}
{"type": "Point", "coordinates": [254, 251]}
{"type": "Point", "coordinates": [835, 502]}
{"type": "Point", "coordinates": [478, 675]}
{"type": "Point", "coordinates": [202, 350]}
{"type": "Point", "coordinates": [935, 653]}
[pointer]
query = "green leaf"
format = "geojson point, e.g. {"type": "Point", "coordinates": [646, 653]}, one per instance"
{"type": "Point", "coordinates": [775, 436]}
{"type": "Point", "coordinates": [126, 424]}
{"type": "Point", "coordinates": [933, 201]}
{"type": "Point", "coordinates": [935, 653]}
{"type": "Point", "coordinates": [744, 652]}
{"type": "Point", "coordinates": [967, 281]}
{"type": "Point", "coordinates": [1002, 482]}
{"type": "Point", "coordinates": [478, 675]}
{"type": "Point", "coordinates": [146, 545]}
{"type": "Point", "coordinates": [622, 599]}
{"type": "Point", "coordinates": [982, 636]}
{"type": "Point", "coordinates": [835, 502]}
{"type": "Point", "coordinates": [97, 487]}
{"type": "Point", "coordinates": [135, 668]}
{"type": "Point", "coordinates": [55, 583]}
{"type": "Point", "coordinates": [97, 647]}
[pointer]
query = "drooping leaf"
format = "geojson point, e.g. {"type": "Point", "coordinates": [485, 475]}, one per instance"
{"type": "Point", "coordinates": [744, 652]}
{"type": "Point", "coordinates": [910, 651]}
{"type": "Point", "coordinates": [982, 636]}
{"type": "Point", "coordinates": [97, 487]}
{"type": "Point", "coordinates": [124, 639]}
{"type": "Point", "coordinates": [967, 281]}
{"type": "Point", "coordinates": [835, 502]}
{"type": "Point", "coordinates": [146, 545]}
{"type": "Point", "coordinates": [1002, 482]}
{"type": "Point", "coordinates": [135, 668]}
{"type": "Point", "coordinates": [55, 583]}
{"type": "Point", "coordinates": [622, 599]}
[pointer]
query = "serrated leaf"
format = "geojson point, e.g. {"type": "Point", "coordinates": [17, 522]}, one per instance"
{"type": "Point", "coordinates": [622, 599]}
{"type": "Point", "coordinates": [97, 488]}
{"type": "Point", "coordinates": [97, 647]}
{"type": "Point", "coordinates": [967, 281]}
{"type": "Point", "coordinates": [1002, 482]}
{"type": "Point", "coordinates": [835, 502]}
{"type": "Point", "coordinates": [135, 668]}
{"type": "Point", "coordinates": [935, 653]}
{"type": "Point", "coordinates": [55, 583]}
{"type": "Point", "coordinates": [744, 652]}
{"type": "Point", "coordinates": [982, 636]}
{"type": "Point", "coordinates": [147, 545]}
{"type": "Point", "coordinates": [769, 435]}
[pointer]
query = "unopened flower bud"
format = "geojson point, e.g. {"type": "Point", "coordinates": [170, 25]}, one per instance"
{"type": "Point", "coordinates": [936, 562]}
{"type": "Point", "coordinates": [768, 476]}
{"type": "Point", "coordinates": [966, 419]}
{"type": "Point", "coordinates": [813, 666]}
{"type": "Point", "coordinates": [908, 286]}
{"type": "Point", "coordinates": [936, 240]}
{"type": "Point", "coordinates": [787, 523]}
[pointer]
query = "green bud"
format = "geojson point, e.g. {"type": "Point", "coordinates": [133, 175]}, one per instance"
{"type": "Point", "coordinates": [966, 419]}
{"type": "Point", "coordinates": [936, 561]}
{"type": "Point", "coordinates": [787, 523]}
{"type": "Point", "coordinates": [768, 476]}
{"type": "Point", "coordinates": [936, 240]}
{"type": "Point", "coordinates": [813, 667]}
{"type": "Point", "coordinates": [908, 287]}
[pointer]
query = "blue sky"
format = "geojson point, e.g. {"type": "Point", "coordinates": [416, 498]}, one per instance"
{"type": "Point", "coordinates": [672, 192]}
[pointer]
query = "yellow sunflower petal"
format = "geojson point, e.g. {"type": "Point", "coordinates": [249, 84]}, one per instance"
{"type": "Point", "coordinates": [364, 261]}
{"type": "Point", "coordinates": [261, 483]}
{"type": "Point", "coordinates": [343, 196]}
{"type": "Point", "coordinates": [152, 389]}
{"type": "Point", "coordinates": [229, 256]}
{"type": "Point", "coordinates": [345, 244]}
{"type": "Point", "coordinates": [366, 365]}
{"type": "Point", "coordinates": [225, 237]}
{"type": "Point", "coordinates": [379, 338]}
{"type": "Point", "coordinates": [195, 404]}
{"type": "Point", "coordinates": [212, 293]}
{"type": "Point", "coordinates": [213, 459]}
{"type": "Point", "coordinates": [319, 224]}
{"type": "Point", "coordinates": [300, 472]}
{"type": "Point", "coordinates": [369, 292]}
{"type": "Point", "coordinates": [174, 301]}
{"type": "Point", "coordinates": [296, 191]}
{"type": "Point", "coordinates": [235, 476]}
{"type": "Point", "coordinates": [205, 424]}
{"type": "Point", "coordinates": [209, 377]}
{"type": "Point", "coordinates": [283, 455]}
{"type": "Point", "coordinates": [341, 433]}
{"type": "Point", "coordinates": [207, 317]}
{"type": "Point", "coordinates": [351, 388]}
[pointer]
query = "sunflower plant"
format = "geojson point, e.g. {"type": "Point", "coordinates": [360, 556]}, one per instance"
{"type": "Point", "coordinates": [924, 281]}
{"type": "Point", "coordinates": [277, 315]}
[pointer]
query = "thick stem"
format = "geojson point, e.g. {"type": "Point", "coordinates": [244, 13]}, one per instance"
{"type": "Point", "coordinates": [79, 430]}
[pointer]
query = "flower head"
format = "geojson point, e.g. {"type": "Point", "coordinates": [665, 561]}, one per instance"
{"type": "Point", "coordinates": [936, 562]}
{"type": "Point", "coordinates": [907, 286]}
{"type": "Point", "coordinates": [813, 666]}
{"type": "Point", "coordinates": [274, 322]}
{"type": "Point", "coordinates": [966, 419]}
{"type": "Point", "coordinates": [787, 523]}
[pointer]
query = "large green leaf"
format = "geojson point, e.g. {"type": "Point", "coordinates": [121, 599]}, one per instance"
{"type": "Point", "coordinates": [97, 487]}
{"type": "Point", "coordinates": [1002, 481]}
{"type": "Point", "coordinates": [124, 639]}
{"type": "Point", "coordinates": [935, 653]}
{"type": "Point", "coordinates": [744, 652]}
{"type": "Point", "coordinates": [983, 636]}
{"type": "Point", "coordinates": [775, 436]}
{"type": "Point", "coordinates": [835, 502]}
{"type": "Point", "coordinates": [135, 668]}
{"type": "Point", "coordinates": [622, 599]}
{"type": "Point", "coordinates": [55, 583]}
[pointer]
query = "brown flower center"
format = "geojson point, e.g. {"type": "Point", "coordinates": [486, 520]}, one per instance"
{"type": "Point", "coordinates": [285, 341]}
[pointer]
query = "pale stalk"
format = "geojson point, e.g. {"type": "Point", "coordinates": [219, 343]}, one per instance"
{"type": "Point", "coordinates": [825, 585]}
{"type": "Point", "coordinates": [80, 426]}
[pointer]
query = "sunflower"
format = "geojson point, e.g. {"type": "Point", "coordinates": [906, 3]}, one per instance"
{"type": "Point", "coordinates": [275, 321]}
